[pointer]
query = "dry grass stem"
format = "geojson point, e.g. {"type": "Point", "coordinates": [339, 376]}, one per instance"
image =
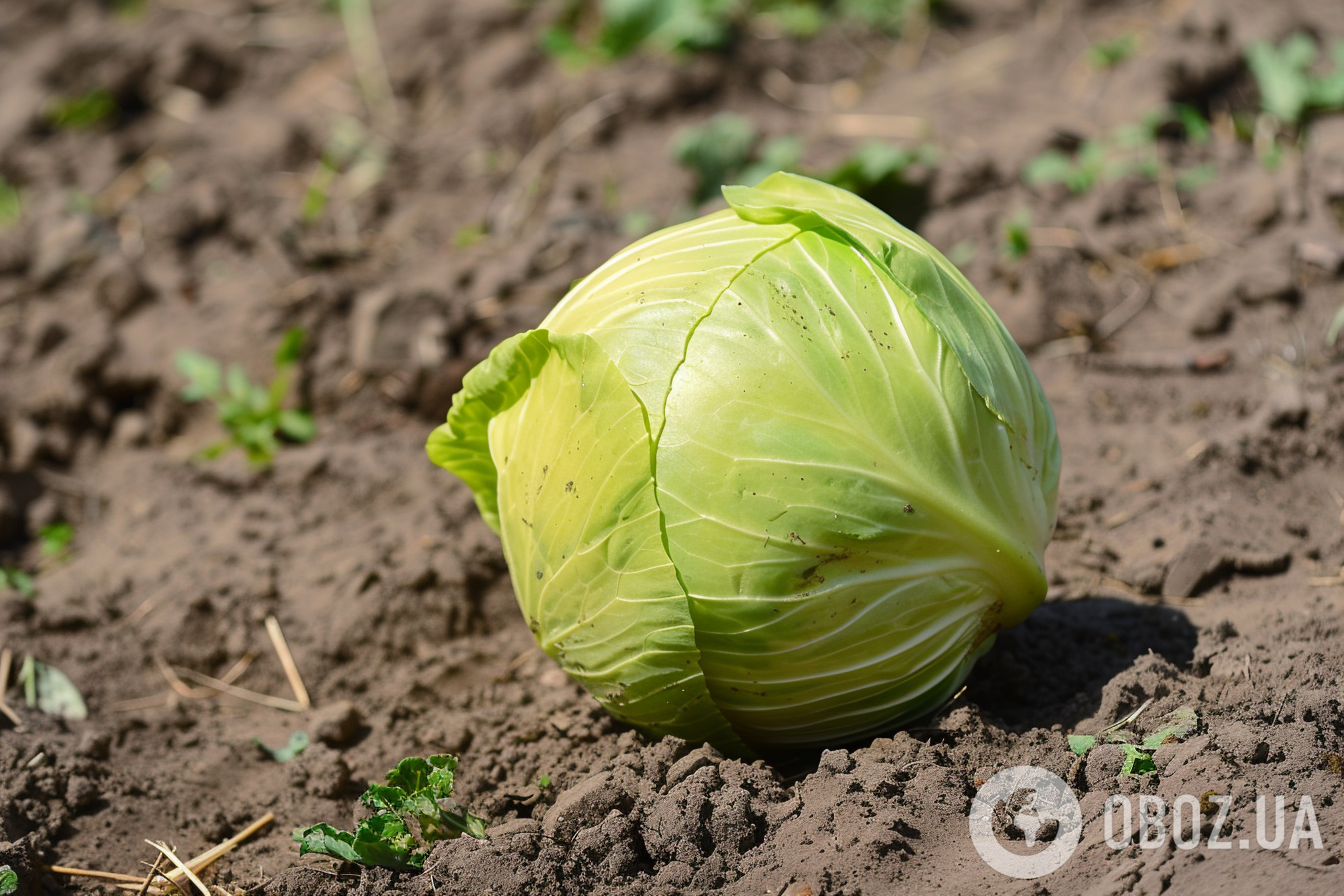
{"type": "Point", "coordinates": [100, 875]}
{"type": "Point", "coordinates": [287, 661]}
{"type": "Point", "coordinates": [191, 875]}
{"type": "Point", "coordinates": [149, 878]}
{"type": "Point", "coordinates": [7, 660]}
{"type": "Point", "coordinates": [243, 693]}
{"type": "Point", "coordinates": [208, 857]}
{"type": "Point", "coordinates": [139, 703]}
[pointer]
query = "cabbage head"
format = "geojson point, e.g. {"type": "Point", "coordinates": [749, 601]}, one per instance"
{"type": "Point", "coordinates": [771, 479]}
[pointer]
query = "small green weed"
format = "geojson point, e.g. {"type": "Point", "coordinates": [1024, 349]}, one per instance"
{"type": "Point", "coordinates": [9, 880]}
{"type": "Point", "coordinates": [543, 781]}
{"type": "Point", "coordinates": [353, 161]}
{"type": "Point", "coordinates": [54, 540]}
{"type": "Point", "coordinates": [1289, 88]}
{"type": "Point", "coordinates": [251, 414]}
{"type": "Point", "coordinates": [1179, 724]}
{"type": "Point", "coordinates": [84, 111]}
{"type": "Point", "coordinates": [1017, 235]}
{"type": "Point", "coordinates": [728, 149]}
{"type": "Point", "coordinates": [1128, 150]}
{"type": "Point", "coordinates": [1111, 53]}
{"type": "Point", "coordinates": [11, 204]}
{"type": "Point", "coordinates": [588, 32]}
{"type": "Point", "coordinates": [1336, 327]}
{"type": "Point", "coordinates": [297, 743]}
{"type": "Point", "coordinates": [412, 801]}
{"type": "Point", "coordinates": [49, 691]}
{"type": "Point", "coordinates": [16, 580]}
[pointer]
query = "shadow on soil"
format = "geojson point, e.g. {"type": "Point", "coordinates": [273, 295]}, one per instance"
{"type": "Point", "coordinates": [1051, 669]}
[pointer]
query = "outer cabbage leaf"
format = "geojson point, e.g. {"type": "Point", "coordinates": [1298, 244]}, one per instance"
{"type": "Point", "coordinates": [846, 513]}
{"type": "Point", "coordinates": [642, 305]}
{"type": "Point", "coordinates": [993, 363]}
{"type": "Point", "coordinates": [582, 532]}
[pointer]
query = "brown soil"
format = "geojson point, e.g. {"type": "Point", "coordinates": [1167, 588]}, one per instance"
{"type": "Point", "coordinates": [1200, 412]}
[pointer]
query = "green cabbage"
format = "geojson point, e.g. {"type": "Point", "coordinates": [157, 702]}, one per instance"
{"type": "Point", "coordinates": [770, 479]}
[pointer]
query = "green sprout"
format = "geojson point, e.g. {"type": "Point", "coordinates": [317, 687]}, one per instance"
{"type": "Point", "coordinates": [1127, 151]}
{"type": "Point", "coordinates": [543, 781]}
{"type": "Point", "coordinates": [728, 149]}
{"type": "Point", "coordinates": [1289, 89]}
{"type": "Point", "coordinates": [415, 800]}
{"type": "Point", "coordinates": [9, 880]}
{"type": "Point", "coordinates": [1336, 326]}
{"type": "Point", "coordinates": [353, 161]}
{"type": "Point", "coordinates": [1180, 723]}
{"type": "Point", "coordinates": [297, 743]}
{"type": "Point", "coordinates": [11, 204]}
{"type": "Point", "coordinates": [251, 414]}
{"type": "Point", "coordinates": [49, 691]}
{"type": "Point", "coordinates": [1017, 235]}
{"type": "Point", "coordinates": [17, 580]}
{"type": "Point", "coordinates": [1111, 53]}
{"type": "Point", "coordinates": [588, 33]}
{"type": "Point", "coordinates": [84, 111]}
{"type": "Point", "coordinates": [54, 540]}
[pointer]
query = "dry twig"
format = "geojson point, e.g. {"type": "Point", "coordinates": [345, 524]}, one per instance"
{"type": "Point", "coordinates": [191, 875]}
{"type": "Point", "coordinates": [6, 660]}
{"type": "Point", "coordinates": [287, 661]}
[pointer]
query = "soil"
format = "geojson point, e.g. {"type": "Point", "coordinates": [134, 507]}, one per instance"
{"type": "Point", "coordinates": [1178, 334]}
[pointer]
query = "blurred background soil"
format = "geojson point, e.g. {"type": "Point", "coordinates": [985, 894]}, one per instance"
{"type": "Point", "coordinates": [208, 174]}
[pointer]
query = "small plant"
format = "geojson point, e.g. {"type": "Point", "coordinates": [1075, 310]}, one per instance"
{"type": "Point", "coordinates": [1336, 326]}
{"type": "Point", "coordinates": [49, 691]}
{"type": "Point", "coordinates": [728, 149]}
{"type": "Point", "coordinates": [1127, 151]}
{"type": "Point", "coordinates": [84, 111]}
{"type": "Point", "coordinates": [251, 414]}
{"type": "Point", "coordinates": [1017, 235]}
{"type": "Point", "coordinates": [54, 540]}
{"type": "Point", "coordinates": [9, 880]}
{"type": "Point", "coordinates": [588, 33]}
{"type": "Point", "coordinates": [297, 743]}
{"type": "Point", "coordinates": [409, 817]}
{"type": "Point", "coordinates": [1289, 89]}
{"type": "Point", "coordinates": [11, 204]}
{"type": "Point", "coordinates": [12, 579]}
{"type": "Point", "coordinates": [543, 781]}
{"type": "Point", "coordinates": [1111, 53]}
{"type": "Point", "coordinates": [353, 161]}
{"type": "Point", "coordinates": [1179, 724]}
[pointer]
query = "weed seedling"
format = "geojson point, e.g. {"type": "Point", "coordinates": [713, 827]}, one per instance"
{"type": "Point", "coordinates": [54, 540]}
{"type": "Point", "coordinates": [353, 161]}
{"type": "Point", "coordinates": [588, 33]}
{"type": "Point", "coordinates": [9, 880]}
{"type": "Point", "coordinates": [1179, 724]}
{"type": "Point", "coordinates": [1289, 88]}
{"type": "Point", "coordinates": [1131, 150]}
{"type": "Point", "coordinates": [16, 580]}
{"type": "Point", "coordinates": [411, 812]}
{"type": "Point", "coordinates": [84, 111]}
{"type": "Point", "coordinates": [1110, 53]}
{"type": "Point", "coordinates": [251, 414]}
{"type": "Point", "coordinates": [1017, 235]}
{"type": "Point", "coordinates": [11, 204]}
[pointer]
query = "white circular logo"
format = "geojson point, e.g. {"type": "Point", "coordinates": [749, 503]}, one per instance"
{"type": "Point", "coordinates": [1032, 807]}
